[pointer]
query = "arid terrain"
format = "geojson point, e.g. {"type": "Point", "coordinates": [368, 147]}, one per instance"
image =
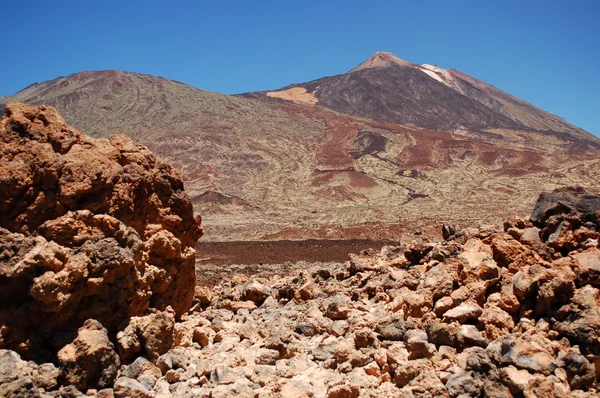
{"type": "Point", "coordinates": [276, 167]}
{"type": "Point", "coordinates": [99, 296]}
{"type": "Point", "coordinates": [388, 89]}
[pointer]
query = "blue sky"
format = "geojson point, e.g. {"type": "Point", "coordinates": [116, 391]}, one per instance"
{"type": "Point", "coordinates": [545, 52]}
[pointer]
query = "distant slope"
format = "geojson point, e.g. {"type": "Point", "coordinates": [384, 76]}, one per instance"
{"type": "Point", "coordinates": [280, 170]}
{"type": "Point", "coordinates": [387, 89]}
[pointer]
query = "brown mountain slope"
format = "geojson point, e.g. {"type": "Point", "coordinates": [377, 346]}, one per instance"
{"type": "Point", "coordinates": [277, 170]}
{"type": "Point", "coordinates": [390, 90]}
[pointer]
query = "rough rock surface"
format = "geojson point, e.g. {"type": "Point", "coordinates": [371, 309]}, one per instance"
{"type": "Point", "coordinates": [90, 229]}
{"type": "Point", "coordinates": [483, 313]}
{"type": "Point", "coordinates": [564, 202]}
{"type": "Point", "coordinates": [90, 360]}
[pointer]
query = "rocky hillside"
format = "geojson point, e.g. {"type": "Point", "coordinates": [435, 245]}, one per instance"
{"type": "Point", "coordinates": [512, 312]}
{"type": "Point", "coordinates": [98, 294]}
{"type": "Point", "coordinates": [388, 89]}
{"type": "Point", "coordinates": [281, 170]}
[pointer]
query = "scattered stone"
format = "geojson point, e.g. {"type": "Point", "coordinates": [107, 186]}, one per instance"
{"type": "Point", "coordinates": [141, 366]}
{"type": "Point", "coordinates": [531, 236]}
{"type": "Point", "coordinates": [365, 338]}
{"type": "Point", "coordinates": [417, 344]}
{"type": "Point", "coordinates": [255, 292]}
{"type": "Point", "coordinates": [343, 391]}
{"type": "Point", "coordinates": [469, 336]}
{"type": "Point", "coordinates": [22, 387]}
{"type": "Point", "coordinates": [45, 376]}
{"type": "Point", "coordinates": [151, 333]}
{"type": "Point", "coordinates": [90, 360]}
{"type": "Point", "coordinates": [580, 372]}
{"type": "Point", "coordinates": [337, 310]}
{"type": "Point", "coordinates": [393, 329]}
{"type": "Point", "coordinates": [443, 334]}
{"type": "Point", "coordinates": [531, 353]}
{"type": "Point", "coordinates": [131, 388]}
{"type": "Point", "coordinates": [463, 312]}
{"type": "Point", "coordinates": [463, 384]}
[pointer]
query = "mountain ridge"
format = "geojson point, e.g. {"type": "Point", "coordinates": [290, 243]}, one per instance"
{"type": "Point", "coordinates": [267, 168]}
{"type": "Point", "coordinates": [388, 89]}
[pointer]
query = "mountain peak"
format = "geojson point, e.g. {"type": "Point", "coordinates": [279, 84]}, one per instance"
{"type": "Point", "coordinates": [381, 60]}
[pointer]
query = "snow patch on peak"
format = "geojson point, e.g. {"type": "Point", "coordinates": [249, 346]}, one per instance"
{"type": "Point", "coordinates": [433, 68]}
{"type": "Point", "coordinates": [435, 72]}
{"type": "Point", "coordinates": [441, 75]}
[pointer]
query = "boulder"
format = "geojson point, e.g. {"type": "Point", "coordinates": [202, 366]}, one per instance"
{"type": "Point", "coordinates": [90, 361]}
{"type": "Point", "coordinates": [496, 322]}
{"type": "Point", "coordinates": [531, 236]}
{"type": "Point", "coordinates": [12, 367]}
{"type": "Point", "coordinates": [463, 384]}
{"type": "Point", "coordinates": [568, 201]}
{"type": "Point", "coordinates": [587, 267]}
{"type": "Point", "coordinates": [141, 366]}
{"type": "Point", "coordinates": [579, 320]}
{"type": "Point", "coordinates": [464, 312]}
{"type": "Point", "coordinates": [418, 345]}
{"type": "Point", "coordinates": [152, 334]}
{"type": "Point", "coordinates": [20, 388]}
{"type": "Point", "coordinates": [256, 292]}
{"type": "Point", "coordinates": [517, 380]}
{"type": "Point", "coordinates": [580, 372]}
{"type": "Point", "coordinates": [468, 336]}
{"type": "Point", "coordinates": [90, 229]}
{"type": "Point", "coordinates": [131, 388]}
{"type": "Point", "coordinates": [531, 353]}
{"type": "Point", "coordinates": [45, 376]}
{"type": "Point", "coordinates": [393, 328]}
{"type": "Point", "coordinates": [440, 333]}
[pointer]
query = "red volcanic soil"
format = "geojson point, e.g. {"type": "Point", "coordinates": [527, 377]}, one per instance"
{"type": "Point", "coordinates": [219, 261]}
{"type": "Point", "coordinates": [430, 149]}
{"type": "Point", "coordinates": [332, 152]}
{"type": "Point", "coordinates": [279, 252]}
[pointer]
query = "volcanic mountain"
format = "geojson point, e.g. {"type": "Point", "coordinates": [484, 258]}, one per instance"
{"type": "Point", "coordinates": [388, 89]}
{"type": "Point", "coordinates": [275, 166]}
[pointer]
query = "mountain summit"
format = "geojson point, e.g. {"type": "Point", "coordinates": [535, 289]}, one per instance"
{"type": "Point", "coordinates": [387, 89]}
{"type": "Point", "coordinates": [381, 60]}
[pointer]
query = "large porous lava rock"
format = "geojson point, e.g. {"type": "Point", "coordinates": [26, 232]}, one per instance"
{"type": "Point", "coordinates": [569, 200]}
{"type": "Point", "coordinates": [567, 218]}
{"type": "Point", "coordinates": [90, 229]}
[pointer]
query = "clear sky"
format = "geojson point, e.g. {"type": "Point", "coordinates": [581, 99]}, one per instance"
{"type": "Point", "coordinates": [545, 52]}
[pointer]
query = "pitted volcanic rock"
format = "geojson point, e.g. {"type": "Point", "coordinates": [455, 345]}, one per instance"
{"type": "Point", "coordinates": [98, 229]}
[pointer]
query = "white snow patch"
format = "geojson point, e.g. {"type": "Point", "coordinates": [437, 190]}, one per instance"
{"type": "Point", "coordinates": [441, 75]}
{"type": "Point", "coordinates": [433, 75]}
{"type": "Point", "coordinates": [433, 68]}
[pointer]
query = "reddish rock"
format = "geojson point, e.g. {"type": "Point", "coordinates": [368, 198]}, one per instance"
{"type": "Point", "coordinates": [89, 229]}
{"type": "Point", "coordinates": [587, 267]}
{"type": "Point", "coordinates": [496, 322]}
{"type": "Point", "coordinates": [464, 312]}
{"type": "Point", "coordinates": [90, 360]}
{"type": "Point", "coordinates": [152, 334]}
{"type": "Point", "coordinates": [506, 249]}
{"type": "Point", "coordinates": [579, 320]}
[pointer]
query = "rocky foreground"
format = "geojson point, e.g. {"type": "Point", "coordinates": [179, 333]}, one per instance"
{"type": "Point", "coordinates": [504, 312]}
